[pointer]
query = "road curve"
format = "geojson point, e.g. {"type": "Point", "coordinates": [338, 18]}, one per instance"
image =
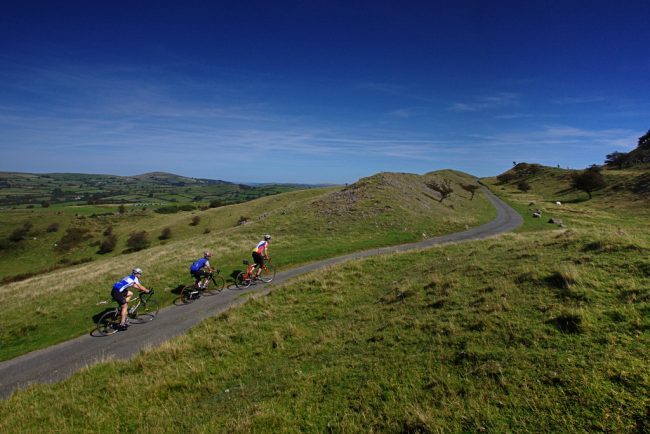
{"type": "Point", "coordinates": [62, 360]}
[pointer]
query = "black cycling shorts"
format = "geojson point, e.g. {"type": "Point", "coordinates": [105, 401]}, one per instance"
{"type": "Point", "coordinates": [120, 297]}
{"type": "Point", "coordinates": [258, 258]}
{"type": "Point", "coordinates": [199, 274]}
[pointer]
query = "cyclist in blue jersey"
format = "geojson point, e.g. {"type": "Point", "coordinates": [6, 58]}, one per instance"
{"type": "Point", "coordinates": [201, 269]}
{"type": "Point", "coordinates": [122, 295]}
{"type": "Point", "coordinates": [260, 254]}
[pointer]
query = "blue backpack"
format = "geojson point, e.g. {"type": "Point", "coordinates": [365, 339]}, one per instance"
{"type": "Point", "coordinates": [196, 266]}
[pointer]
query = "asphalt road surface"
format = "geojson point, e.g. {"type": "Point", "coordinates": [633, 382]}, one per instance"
{"type": "Point", "coordinates": [62, 360]}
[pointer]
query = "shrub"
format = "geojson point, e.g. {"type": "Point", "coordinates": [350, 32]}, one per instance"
{"type": "Point", "coordinates": [588, 181]}
{"type": "Point", "coordinates": [138, 241]}
{"type": "Point", "coordinates": [165, 234]}
{"type": "Point", "coordinates": [54, 227]}
{"type": "Point", "coordinates": [167, 210]}
{"type": "Point", "coordinates": [18, 235]}
{"type": "Point", "coordinates": [470, 188]}
{"type": "Point", "coordinates": [195, 220]}
{"type": "Point", "coordinates": [505, 178]}
{"type": "Point", "coordinates": [242, 220]}
{"type": "Point", "coordinates": [72, 238]}
{"type": "Point", "coordinates": [444, 188]}
{"type": "Point", "coordinates": [108, 245]}
{"type": "Point", "coordinates": [172, 209]}
{"type": "Point", "coordinates": [523, 186]}
{"type": "Point", "coordinates": [215, 203]}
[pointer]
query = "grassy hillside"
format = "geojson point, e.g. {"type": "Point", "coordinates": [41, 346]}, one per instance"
{"type": "Point", "coordinates": [307, 225]}
{"type": "Point", "coordinates": [625, 198]}
{"type": "Point", "coordinates": [626, 186]}
{"type": "Point", "coordinates": [539, 331]}
{"type": "Point", "coordinates": [78, 221]}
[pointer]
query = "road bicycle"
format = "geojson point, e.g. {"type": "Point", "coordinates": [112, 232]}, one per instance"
{"type": "Point", "coordinates": [247, 278]}
{"type": "Point", "coordinates": [142, 309]}
{"type": "Point", "coordinates": [214, 285]}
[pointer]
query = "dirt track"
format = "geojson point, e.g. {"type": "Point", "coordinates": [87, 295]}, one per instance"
{"type": "Point", "coordinates": [60, 361]}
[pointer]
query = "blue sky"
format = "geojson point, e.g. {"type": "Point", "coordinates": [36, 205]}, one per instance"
{"type": "Point", "coordinates": [319, 91]}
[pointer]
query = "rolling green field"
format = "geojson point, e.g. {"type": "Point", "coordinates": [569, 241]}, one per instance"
{"type": "Point", "coordinates": [307, 225]}
{"type": "Point", "coordinates": [153, 189]}
{"type": "Point", "coordinates": [536, 331]}
{"type": "Point", "coordinates": [68, 219]}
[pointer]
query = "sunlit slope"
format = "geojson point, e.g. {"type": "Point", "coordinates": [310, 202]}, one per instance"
{"type": "Point", "coordinates": [52, 221]}
{"type": "Point", "coordinates": [624, 200]}
{"type": "Point", "coordinates": [384, 209]}
{"type": "Point", "coordinates": [529, 332]}
{"type": "Point", "coordinates": [626, 186]}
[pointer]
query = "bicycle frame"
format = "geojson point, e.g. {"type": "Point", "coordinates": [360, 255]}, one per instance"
{"type": "Point", "coordinates": [140, 300]}
{"type": "Point", "coordinates": [251, 268]}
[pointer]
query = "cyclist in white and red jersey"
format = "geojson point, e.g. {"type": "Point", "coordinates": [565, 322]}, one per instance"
{"type": "Point", "coordinates": [122, 295]}
{"type": "Point", "coordinates": [260, 254]}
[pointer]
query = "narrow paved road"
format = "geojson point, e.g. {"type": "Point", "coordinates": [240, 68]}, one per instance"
{"type": "Point", "coordinates": [60, 361]}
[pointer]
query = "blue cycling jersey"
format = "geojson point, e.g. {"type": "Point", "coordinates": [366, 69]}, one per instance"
{"type": "Point", "coordinates": [125, 283]}
{"type": "Point", "coordinates": [196, 266]}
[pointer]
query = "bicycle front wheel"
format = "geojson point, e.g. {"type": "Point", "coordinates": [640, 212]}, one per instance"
{"type": "Point", "coordinates": [215, 285]}
{"type": "Point", "coordinates": [107, 324]}
{"type": "Point", "coordinates": [145, 312]}
{"type": "Point", "coordinates": [268, 273]}
{"type": "Point", "coordinates": [241, 281]}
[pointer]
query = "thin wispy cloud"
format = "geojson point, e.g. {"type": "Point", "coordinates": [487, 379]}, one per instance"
{"type": "Point", "coordinates": [578, 100]}
{"type": "Point", "coordinates": [482, 103]}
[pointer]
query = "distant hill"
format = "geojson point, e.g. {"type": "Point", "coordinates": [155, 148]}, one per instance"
{"type": "Point", "coordinates": [170, 178]}
{"type": "Point", "coordinates": [155, 188]}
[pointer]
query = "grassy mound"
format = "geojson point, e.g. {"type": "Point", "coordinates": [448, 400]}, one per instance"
{"type": "Point", "coordinates": [302, 231]}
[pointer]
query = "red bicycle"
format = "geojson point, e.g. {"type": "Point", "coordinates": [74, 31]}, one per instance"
{"type": "Point", "coordinates": [246, 278]}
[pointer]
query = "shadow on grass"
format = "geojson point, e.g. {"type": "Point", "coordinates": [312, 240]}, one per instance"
{"type": "Point", "coordinates": [567, 323]}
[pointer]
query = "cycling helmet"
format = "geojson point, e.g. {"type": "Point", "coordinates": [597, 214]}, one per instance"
{"type": "Point", "coordinates": [137, 271]}
{"type": "Point", "coordinates": [207, 254]}
{"type": "Point", "coordinates": [267, 237]}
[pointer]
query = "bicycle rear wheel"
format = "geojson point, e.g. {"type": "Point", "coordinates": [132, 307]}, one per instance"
{"type": "Point", "coordinates": [188, 294]}
{"type": "Point", "coordinates": [268, 273]}
{"type": "Point", "coordinates": [215, 285]}
{"type": "Point", "coordinates": [107, 324]}
{"type": "Point", "coordinates": [241, 281]}
{"type": "Point", "coordinates": [145, 312]}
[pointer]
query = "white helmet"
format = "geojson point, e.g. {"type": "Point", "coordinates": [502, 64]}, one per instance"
{"type": "Point", "coordinates": [207, 254]}
{"type": "Point", "coordinates": [267, 237]}
{"type": "Point", "coordinates": [137, 270]}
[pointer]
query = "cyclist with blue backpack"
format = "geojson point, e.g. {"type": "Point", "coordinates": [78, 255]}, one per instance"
{"type": "Point", "coordinates": [201, 269]}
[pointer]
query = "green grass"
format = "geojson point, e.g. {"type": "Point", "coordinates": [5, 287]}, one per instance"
{"type": "Point", "coordinates": [537, 332]}
{"type": "Point", "coordinates": [306, 225]}
{"type": "Point", "coordinates": [616, 205]}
